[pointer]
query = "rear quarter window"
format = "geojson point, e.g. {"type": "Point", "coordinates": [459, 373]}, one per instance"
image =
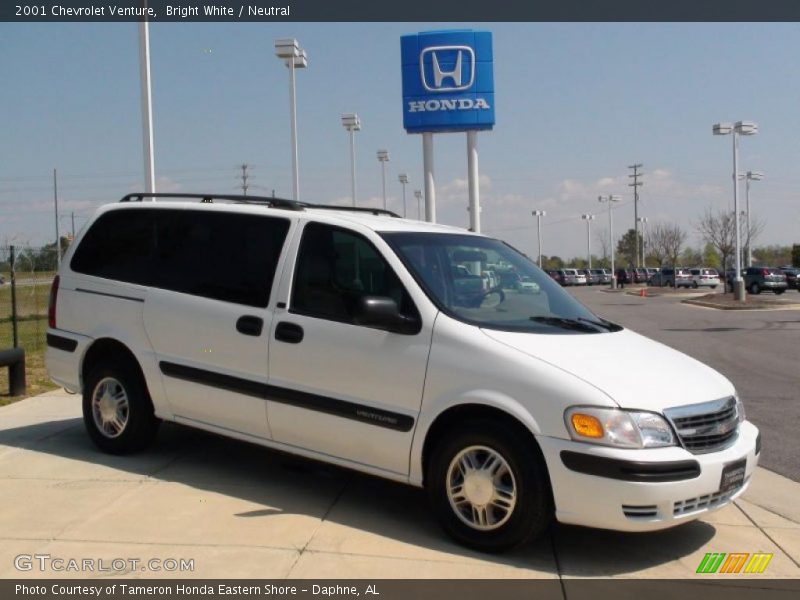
{"type": "Point", "coordinates": [223, 256]}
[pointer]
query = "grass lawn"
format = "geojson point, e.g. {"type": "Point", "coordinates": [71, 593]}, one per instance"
{"type": "Point", "coordinates": [31, 299]}
{"type": "Point", "coordinates": [32, 339]}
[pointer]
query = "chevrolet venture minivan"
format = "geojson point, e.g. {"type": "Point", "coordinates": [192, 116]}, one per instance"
{"type": "Point", "coordinates": [355, 337]}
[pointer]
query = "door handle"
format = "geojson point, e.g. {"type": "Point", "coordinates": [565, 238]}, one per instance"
{"type": "Point", "coordinates": [289, 333]}
{"type": "Point", "coordinates": [250, 325]}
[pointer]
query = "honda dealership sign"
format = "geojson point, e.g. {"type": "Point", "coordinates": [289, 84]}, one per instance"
{"type": "Point", "coordinates": [448, 82]}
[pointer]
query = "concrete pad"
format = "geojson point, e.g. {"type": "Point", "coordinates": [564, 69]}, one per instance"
{"type": "Point", "coordinates": [764, 517]}
{"type": "Point", "coordinates": [322, 565]}
{"type": "Point", "coordinates": [273, 515]}
{"type": "Point", "coordinates": [43, 509]}
{"type": "Point", "coordinates": [729, 515]}
{"type": "Point", "coordinates": [209, 561]}
{"type": "Point", "coordinates": [387, 520]}
{"type": "Point", "coordinates": [674, 553]}
{"type": "Point", "coordinates": [789, 540]}
{"type": "Point", "coordinates": [776, 493]}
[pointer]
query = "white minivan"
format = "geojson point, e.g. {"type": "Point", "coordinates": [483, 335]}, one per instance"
{"type": "Point", "coordinates": [362, 339]}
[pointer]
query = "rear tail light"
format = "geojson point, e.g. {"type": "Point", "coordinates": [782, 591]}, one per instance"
{"type": "Point", "coordinates": [765, 273]}
{"type": "Point", "coordinates": [51, 307]}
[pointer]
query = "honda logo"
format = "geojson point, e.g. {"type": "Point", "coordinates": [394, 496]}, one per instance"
{"type": "Point", "coordinates": [437, 79]}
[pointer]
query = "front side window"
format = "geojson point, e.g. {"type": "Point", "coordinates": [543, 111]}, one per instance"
{"type": "Point", "coordinates": [452, 269]}
{"type": "Point", "coordinates": [336, 268]}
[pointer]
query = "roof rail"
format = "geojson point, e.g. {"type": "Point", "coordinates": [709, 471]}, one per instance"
{"type": "Point", "coordinates": [209, 198]}
{"type": "Point", "coordinates": [259, 200]}
{"type": "Point", "coordinates": [361, 209]}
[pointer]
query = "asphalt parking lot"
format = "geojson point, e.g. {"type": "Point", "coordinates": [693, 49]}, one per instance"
{"type": "Point", "coordinates": [759, 351]}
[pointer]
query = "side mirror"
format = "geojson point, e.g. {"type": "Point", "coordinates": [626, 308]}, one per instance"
{"type": "Point", "coordinates": [382, 312]}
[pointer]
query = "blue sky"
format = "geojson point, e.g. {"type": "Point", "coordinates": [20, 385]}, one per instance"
{"type": "Point", "coordinates": [576, 104]}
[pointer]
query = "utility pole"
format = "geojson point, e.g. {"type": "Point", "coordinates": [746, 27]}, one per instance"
{"type": "Point", "coordinates": [73, 224]}
{"type": "Point", "coordinates": [635, 185]}
{"type": "Point", "coordinates": [55, 201]}
{"type": "Point", "coordinates": [245, 178]}
{"type": "Point", "coordinates": [588, 218]}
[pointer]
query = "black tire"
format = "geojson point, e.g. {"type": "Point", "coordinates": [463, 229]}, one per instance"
{"type": "Point", "coordinates": [141, 424]}
{"type": "Point", "coordinates": [755, 288]}
{"type": "Point", "coordinates": [533, 510]}
{"type": "Point", "coordinates": [694, 285]}
{"type": "Point", "coordinates": [779, 292]}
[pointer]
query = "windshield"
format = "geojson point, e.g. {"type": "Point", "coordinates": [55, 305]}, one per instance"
{"type": "Point", "coordinates": [452, 268]}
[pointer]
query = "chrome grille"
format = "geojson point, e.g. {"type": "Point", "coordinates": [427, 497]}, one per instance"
{"type": "Point", "coordinates": [705, 427]}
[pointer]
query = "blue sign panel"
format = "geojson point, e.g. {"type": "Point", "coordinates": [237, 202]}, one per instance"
{"type": "Point", "coordinates": [448, 81]}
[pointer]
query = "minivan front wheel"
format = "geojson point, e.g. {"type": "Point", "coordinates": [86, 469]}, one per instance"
{"type": "Point", "coordinates": [489, 487]}
{"type": "Point", "coordinates": [117, 410]}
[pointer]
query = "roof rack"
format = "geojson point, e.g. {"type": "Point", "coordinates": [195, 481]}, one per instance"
{"type": "Point", "coordinates": [258, 200]}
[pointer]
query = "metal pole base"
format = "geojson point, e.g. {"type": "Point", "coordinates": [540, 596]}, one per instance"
{"type": "Point", "coordinates": [738, 290]}
{"type": "Point", "coordinates": [613, 282]}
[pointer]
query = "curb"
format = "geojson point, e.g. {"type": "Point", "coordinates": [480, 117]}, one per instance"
{"type": "Point", "coordinates": [707, 304]}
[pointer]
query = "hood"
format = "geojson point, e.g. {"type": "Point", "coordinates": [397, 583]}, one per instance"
{"type": "Point", "coordinates": [634, 371]}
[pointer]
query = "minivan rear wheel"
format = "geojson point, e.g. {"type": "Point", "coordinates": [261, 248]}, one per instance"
{"type": "Point", "coordinates": [117, 410]}
{"type": "Point", "coordinates": [489, 486]}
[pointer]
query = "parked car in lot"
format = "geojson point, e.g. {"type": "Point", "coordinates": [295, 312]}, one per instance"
{"type": "Point", "coordinates": [640, 275]}
{"type": "Point", "coordinates": [571, 277]}
{"type": "Point", "coordinates": [592, 278]}
{"type": "Point", "coordinates": [556, 275]}
{"type": "Point", "coordinates": [527, 285]}
{"type": "Point", "coordinates": [669, 277]}
{"type": "Point", "coordinates": [340, 335]}
{"type": "Point", "coordinates": [792, 279]}
{"type": "Point", "coordinates": [602, 275]}
{"type": "Point", "coordinates": [759, 279]}
{"type": "Point", "coordinates": [703, 277]}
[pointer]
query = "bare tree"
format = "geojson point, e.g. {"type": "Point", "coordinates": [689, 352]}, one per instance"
{"type": "Point", "coordinates": [718, 228]}
{"type": "Point", "coordinates": [665, 242]}
{"type": "Point", "coordinates": [601, 235]}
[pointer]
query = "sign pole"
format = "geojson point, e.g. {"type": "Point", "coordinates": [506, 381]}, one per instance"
{"type": "Point", "coordinates": [474, 186]}
{"type": "Point", "coordinates": [430, 184]}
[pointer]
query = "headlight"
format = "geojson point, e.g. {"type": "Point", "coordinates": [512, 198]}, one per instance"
{"type": "Point", "coordinates": [620, 428]}
{"type": "Point", "coordinates": [740, 410]}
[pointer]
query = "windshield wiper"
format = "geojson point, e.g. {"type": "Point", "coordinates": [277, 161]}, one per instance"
{"type": "Point", "coordinates": [578, 324]}
{"type": "Point", "coordinates": [607, 325]}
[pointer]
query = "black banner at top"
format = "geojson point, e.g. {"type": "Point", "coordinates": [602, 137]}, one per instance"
{"type": "Point", "coordinates": [399, 10]}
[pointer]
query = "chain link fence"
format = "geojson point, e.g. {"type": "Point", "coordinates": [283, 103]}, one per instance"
{"type": "Point", "coordinates": [23, 309]}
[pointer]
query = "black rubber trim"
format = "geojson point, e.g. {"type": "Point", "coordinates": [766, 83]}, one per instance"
{"type": "Point", "coordinates": [132, 298]}
{"type": "Point", "coordinates": [325, 404]}
{"type": "Point", "coordinates": [630, 470]}
{"type": "Point", "coordinates": [758, 444]}
{"type": "Point", "coordinates": [61, 343]}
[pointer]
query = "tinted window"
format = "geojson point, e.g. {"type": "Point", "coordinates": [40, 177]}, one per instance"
{"type": "Point", "coordinates": [336, 268]}
{"type": "Point", "coordinates": [223, 256]}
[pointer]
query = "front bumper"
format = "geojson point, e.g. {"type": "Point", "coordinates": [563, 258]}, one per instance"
{"type": "Point", "coordinates": [644, 503]}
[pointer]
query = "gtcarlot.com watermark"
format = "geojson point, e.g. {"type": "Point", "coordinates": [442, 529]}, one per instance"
{"type": "Point", "coordinates": [59, 564]}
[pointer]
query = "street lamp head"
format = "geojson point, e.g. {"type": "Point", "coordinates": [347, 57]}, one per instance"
{"type": "Point", "coordinates": [402, 178]}
{"type": "Point", "coordinates": [300, 60]}
{"type": "Point", "coordinates": [722, 128]}
{"type": "Point", "coordinates": [587, 217]}
{"type": "Point", "coordinates": [287, 48]}
{"type": "Point", "coordinates": [539, 213]}
{"type": "Point", "coordinates": [383, 155]}
{"type": "Point", "coordinates": [418, 194]}
{"type": "Point", "coordinates": [351, 122]}
{"type": "Point", "coordinates": [642, 219]}
{"type": "Point", "coordinates": [615, 198]}
{"type": "Point", "coordinates": [746, 128]}
{"type": "Point", "coordinates": [755, 175]}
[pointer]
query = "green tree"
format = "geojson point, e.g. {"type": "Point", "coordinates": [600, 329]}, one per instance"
{"type": "Point", "coordinates": [796, 255]}
{"type": "Point", "coordinates": [711, 257]}
{"type": "Point", "coordinates": [626, 248]}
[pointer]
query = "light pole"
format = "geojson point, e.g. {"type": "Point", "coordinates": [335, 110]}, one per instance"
{"type": "Point", "coordinates": [403, 179]}
{"type": "Point", "coordinates": [748, 177]}
{"type": "Point", "coordinates": [588, 218]}
{"type": "Point", "coordinates": [352, 123]}
{"type": "Point", "coordinates": [643, 221]}
{"type": "Point", "coordinates": [736, 129]}
{"type": "Point", "coordinates": [418, 196]}
{"type": "Point", "coordinates": [539, 214]}
{"type": "Point", "coordinates": [294, 57]}
{"type": "Point", "coordinates": [146, 101]}
{"type": "Point", "coordinates": [611, 199]}
{"type": "Point", "coordinates": [383, 158]}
